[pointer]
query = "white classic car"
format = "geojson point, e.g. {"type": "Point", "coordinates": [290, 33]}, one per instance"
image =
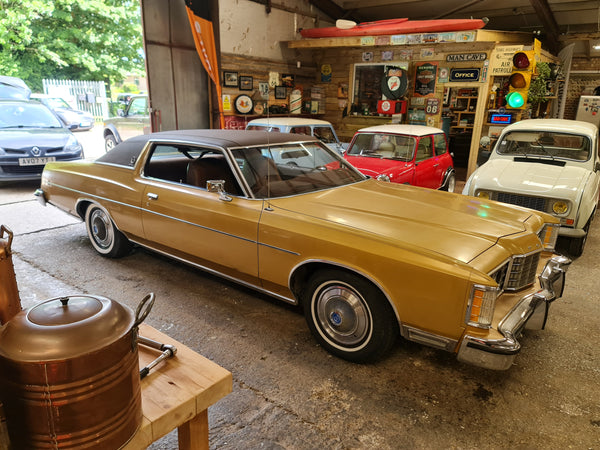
{"type": "Point", "coordinates": [550, 165]}
{"type": "Point", "coordinates": [321, 129]}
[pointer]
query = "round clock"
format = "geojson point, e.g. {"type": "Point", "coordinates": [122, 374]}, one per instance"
{"type": "Point", "coordinates": [243, 104]}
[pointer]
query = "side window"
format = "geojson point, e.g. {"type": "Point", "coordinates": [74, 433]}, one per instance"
{"type": "Point", "coordinates": [424, 149]}
{"type": "Point", "coordinates": [439, 142]}
{"type": "Point", "coordinates": [324, 134]}
{"type": "Point", "coordinates": [139, 107]}
{"type": "Point", "coordinates": [300, 130]}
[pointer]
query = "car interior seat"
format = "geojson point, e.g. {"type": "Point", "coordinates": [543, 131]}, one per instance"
{"type": "Point", "coordinates": [424, 150]}
{"type": "Point", "coordinates": [260, 171]}
{"type": "Point", "coordinates": [386, 149]}
{"type": "Point", "coordinates": [211, 167]}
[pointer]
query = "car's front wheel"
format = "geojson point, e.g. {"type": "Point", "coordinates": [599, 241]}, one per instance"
{"type": "Point", "coordinates": [109, 142]}
{"type": "Point", "coordinates": [349, 316]}
{"type": "Point", "coordinates": [104, 235]}
{"type": "Point", "coordinates": [576, 245]}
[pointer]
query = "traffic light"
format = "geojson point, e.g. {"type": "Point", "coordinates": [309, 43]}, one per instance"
{"type": "Point", "coordinates": [520, 79]}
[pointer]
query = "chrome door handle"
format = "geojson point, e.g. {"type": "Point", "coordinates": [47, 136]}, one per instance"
{"type": "Point", "coordinates": [152, 196]}
{"type": "Point", "coordinates": [435, 165]}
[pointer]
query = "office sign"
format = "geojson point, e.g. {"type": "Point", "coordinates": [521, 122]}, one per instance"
{"type": "Point", "coordinates": [464, 75]}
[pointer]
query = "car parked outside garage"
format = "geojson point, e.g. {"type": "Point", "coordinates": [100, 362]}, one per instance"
{"type": "Point", "coordinates": [74, 119]}
{"type": "Point", "coordinates": [30, 136]}
{"type": "Point", "coordinates": [405, 154]}
{"type": "Point", "coordinates": [131, 121]}
{"type": "Point", "coordinates": [550, 165]}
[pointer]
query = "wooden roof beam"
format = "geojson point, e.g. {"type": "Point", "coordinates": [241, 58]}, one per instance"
{"type": "Point", "coordinates": [544, 13]}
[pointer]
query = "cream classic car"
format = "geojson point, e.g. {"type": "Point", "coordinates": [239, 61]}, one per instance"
{"type": "Point", "coordinates": [285, 215]}
{"type": "Point", "coordinates": [550, 165]}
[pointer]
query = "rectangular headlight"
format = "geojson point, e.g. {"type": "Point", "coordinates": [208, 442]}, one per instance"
{"type": "Point", "coordinates": [548, 235]}
{"type": "Point", "coordinates": [480, 309]}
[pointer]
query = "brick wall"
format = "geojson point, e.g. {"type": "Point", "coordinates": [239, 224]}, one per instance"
{"type": "Point", "coordinates": [581, 83]}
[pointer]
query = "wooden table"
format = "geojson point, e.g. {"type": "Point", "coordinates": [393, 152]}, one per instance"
{"type": "Point", "coordinates": [177, 394]}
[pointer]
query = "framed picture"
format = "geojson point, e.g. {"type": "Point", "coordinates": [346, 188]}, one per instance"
{"type": "Point", "coordinates": [245, 83]}
{"type": "Point", "coordinates": [263, 88]}
{"type": "Point", "coordinates": [287, 79]}
{"type": "Point", "coordinates": [230, 79]}
{"type": "Point", "coordinates": [280, 92]}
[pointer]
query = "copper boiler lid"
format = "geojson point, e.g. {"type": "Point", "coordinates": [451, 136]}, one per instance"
{"type": "Point", "coordinates": [64, 327]}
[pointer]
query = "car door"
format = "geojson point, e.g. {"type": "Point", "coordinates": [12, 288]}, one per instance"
{"type": "Point", "coordinates": [136, 120]}
{"type": "Point", "coordinates": [215, 231]}
{"type": "Point", "coordinates": [425, 164]}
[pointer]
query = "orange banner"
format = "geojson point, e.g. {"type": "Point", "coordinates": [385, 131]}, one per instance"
{"type": "Point", "coordinates": [204, 39]}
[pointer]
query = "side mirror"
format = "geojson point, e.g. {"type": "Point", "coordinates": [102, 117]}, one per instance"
{"type": "Point", "coordinates": [120, 113]}
{"type": "Point", "coordinates": [597, 168]}
{"type": "Point", "coordinates": [485, 141]}
{"type": "Point", "coordinates": [218, 186]}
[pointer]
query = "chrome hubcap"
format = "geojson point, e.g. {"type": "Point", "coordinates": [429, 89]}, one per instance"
{"type": "Point", "coordinates": [342, 314]}
{"type": "Point", "coordinates": [101, 229]}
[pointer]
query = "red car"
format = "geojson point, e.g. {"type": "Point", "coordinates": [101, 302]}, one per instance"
{"type": "Point", "coordinates": [406, 154]}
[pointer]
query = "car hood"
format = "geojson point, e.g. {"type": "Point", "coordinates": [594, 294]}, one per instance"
{"type": "Point", "coordinates": [530, 178]}
{"type": "Point", "coordinates": [375, 166]}
{"type": "Point", "coordinates": [25, 138]}
{"type": "Point", "coordinates": [457, 226]}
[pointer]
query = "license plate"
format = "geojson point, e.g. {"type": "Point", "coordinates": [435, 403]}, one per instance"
{"type": "Point", "coordinates": [36, 161]}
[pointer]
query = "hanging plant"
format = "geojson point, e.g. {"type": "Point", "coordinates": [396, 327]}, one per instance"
{"type": "Point", "coordinates": [538, 87]}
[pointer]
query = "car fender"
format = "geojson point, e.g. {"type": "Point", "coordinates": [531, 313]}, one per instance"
{"type": "Point", "coordinates": [111, 129]}
{"type": "Point", "coordinates": [449, 171]}
{"type": "Point", "coordinates": [588, 199]}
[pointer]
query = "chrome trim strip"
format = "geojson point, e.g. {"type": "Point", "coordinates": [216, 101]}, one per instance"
{"type": "Point", "coordinates": [429, 339]}
{"type": "Point", "coordinates": [293, 301]}
{"type": "Point", "coordinates": [95, 198]}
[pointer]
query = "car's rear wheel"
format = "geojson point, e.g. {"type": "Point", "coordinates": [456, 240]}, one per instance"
{"type": "Point", "coordinates": [104, 235]}
{"type": "Point", "coordinates": [109, 142]}
{"type": "Point", "coordinates": [349, 316]}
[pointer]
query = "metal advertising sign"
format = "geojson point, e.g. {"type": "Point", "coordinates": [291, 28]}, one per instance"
{"type": "Point", "coordinates": [464, 75]}
{"type": "Point", "coordinates": [466, 57]}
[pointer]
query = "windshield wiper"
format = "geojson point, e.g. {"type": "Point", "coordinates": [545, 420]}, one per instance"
{"type": "Point", "coordinates": [544, 149]}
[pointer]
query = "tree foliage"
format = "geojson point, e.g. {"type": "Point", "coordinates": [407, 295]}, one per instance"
{"type": "Point", "coordinates": [70, 39]}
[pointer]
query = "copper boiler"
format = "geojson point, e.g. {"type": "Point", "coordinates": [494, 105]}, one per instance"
{"type": "Point", "coordinates": [69, 373]}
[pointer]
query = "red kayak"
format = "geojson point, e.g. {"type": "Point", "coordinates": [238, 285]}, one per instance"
{"type": "Point", "coordinates": [396, 26]}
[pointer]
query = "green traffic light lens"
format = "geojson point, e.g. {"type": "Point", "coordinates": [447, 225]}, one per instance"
{"type": "Point", "coordinates": [515, 100]}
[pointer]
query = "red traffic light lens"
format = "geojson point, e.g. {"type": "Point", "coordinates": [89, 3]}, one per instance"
{"type": "Point", "coordinates": [521, 61]}
{"type": "Point", "coordinates": [517, 81]}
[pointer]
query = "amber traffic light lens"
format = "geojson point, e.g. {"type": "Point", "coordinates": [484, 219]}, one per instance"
{"type": "Point", "coordinates": [517, 81]}
{"type": "Point", "coordinates": [521, 61]}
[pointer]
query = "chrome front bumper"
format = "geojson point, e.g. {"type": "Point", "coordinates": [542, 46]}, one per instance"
{"type": "Point", "coordinates": [530, 313]}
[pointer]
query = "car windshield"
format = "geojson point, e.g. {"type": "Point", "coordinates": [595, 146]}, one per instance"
{"type": "Point", "coordinates": [381, 145]}
{"type": "Point", "coordinates": [546, 144]}
{"type": "Point", "coordinates": [27, 115]}
{"type": "Point", "coordinates": [57, 103]}
{"type": "Point", "coordinates": [283, 170]}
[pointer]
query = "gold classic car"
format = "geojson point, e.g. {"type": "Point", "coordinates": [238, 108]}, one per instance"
{"type": "Point", "coordinates": [367, 260]}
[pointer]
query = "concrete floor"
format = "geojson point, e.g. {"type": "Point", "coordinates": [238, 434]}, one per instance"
{"type": "Point", "coordinates": [288, 393]}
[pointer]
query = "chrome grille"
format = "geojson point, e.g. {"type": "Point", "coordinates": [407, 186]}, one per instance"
{"type": "Point", "coordinates": [517, 273]}
{"type": "Point", "coordinates": [537, 203]}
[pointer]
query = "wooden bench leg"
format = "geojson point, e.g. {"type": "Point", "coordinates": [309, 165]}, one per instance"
{"type": "Point", "coordinates": [193, 435]}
